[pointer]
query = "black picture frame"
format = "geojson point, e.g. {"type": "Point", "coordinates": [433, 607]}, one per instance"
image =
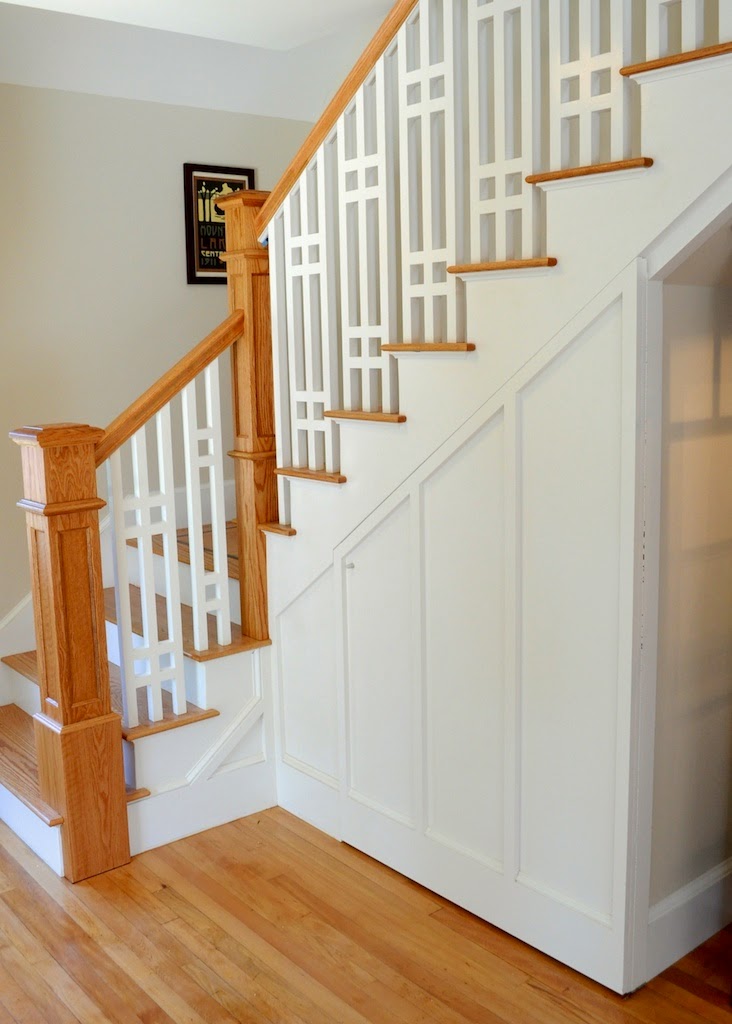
{"type": "Point", "coordinates": [205, 236]}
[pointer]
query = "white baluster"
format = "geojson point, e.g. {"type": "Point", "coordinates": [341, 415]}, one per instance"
{"type": "Point", "coordinates": [367, 250]}
{"type": "Point", "coordinates": [504, 137]}
{"type": "Point", "coordinates": [590, 116]}
{"type": "Point", "coordinates": [211, 461]}
{"type": "Point", "coordinates": [311, 286]}
{"type": "Point", "coordinates": [283, 431]}
{"type": "Point", "coordinates": [154, 659]}
{"type": "Point", "coordinates": [675, 26]}
{"type": "Point", "coordinates": [431, 162]}
{"type": "Point", "coordinates": [725, 21]}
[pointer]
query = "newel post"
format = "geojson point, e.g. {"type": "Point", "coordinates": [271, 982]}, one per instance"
{"type": "Point", "coordinates": [78, 738]}
{"type": "Point", "coordinates": [247, 265]}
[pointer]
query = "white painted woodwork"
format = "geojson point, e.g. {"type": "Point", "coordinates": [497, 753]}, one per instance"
{"type": "Point", "coordinates": [569, 431]}
{"type": "Point", "coordinates": [675, 26]}
{"type": "Point", "coordinates": [381, 705]}
{"type": "Point", "coordinates": [141, 514]}
{"type": "Point", "coordinates": [431, 60]}
{"type": "Point", "coordinates": [464, 683]}
{"type": "Point", "coordinates": [311, 286]}
{"type": "Point", "coordinates": [504, 133]}
{"type": "Point", "coordinates": [590, 116]}
{"type": "Point", "coordinates": [306, 662]}
{"type": "Point", "coordinates": [368, 229]}
{"type": "Point", "coordinates": [204, 465]}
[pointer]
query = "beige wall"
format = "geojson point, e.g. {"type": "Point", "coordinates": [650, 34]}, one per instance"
{"type": "Point", "coordinates": [693, 762]}
{"type": "Point", "coordinates": [94, 303]}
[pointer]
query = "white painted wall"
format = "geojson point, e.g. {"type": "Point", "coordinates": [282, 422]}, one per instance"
{"type": "Point", "coordinates": [94, 303]}
{"type": "Point", "coordinates": [693, 763]}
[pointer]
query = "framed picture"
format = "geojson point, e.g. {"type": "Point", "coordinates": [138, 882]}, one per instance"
{"type": "Point", "coordinates": [205, 225]}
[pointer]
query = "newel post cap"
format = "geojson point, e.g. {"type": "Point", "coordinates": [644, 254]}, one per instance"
{"type": "Point", "coordinates": [57, 435]}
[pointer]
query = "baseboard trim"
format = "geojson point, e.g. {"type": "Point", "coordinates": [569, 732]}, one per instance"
{"type": "Point", "coordinates": [688, 917]}
{"type": "Point", "coordinates": [41, 838]}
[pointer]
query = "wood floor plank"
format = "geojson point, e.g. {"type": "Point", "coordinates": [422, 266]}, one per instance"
{"type": "Point", "coordinates": [267, 921]}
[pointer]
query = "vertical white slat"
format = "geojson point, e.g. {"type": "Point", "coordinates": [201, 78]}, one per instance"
{"type": "Point", "coordinates": [364, 186]}
{"type": "Point", "coordinates": [329, 287]}
{"type": "Point", "coordinates": [429, 91]}
{"type": "Point", "coordinates": [175, 675]}
{"type": "Point", "coordinates": [586, 88]}
{"type": "Point", "coordinates": [195, 516]}
{"type": "Point", "coordinates": [283, 433]}
{"type": "Point", "coordinates": [220, 573]}
{"type": "Point", "coordinates": [148, 597]}
{"type": "Point", "coordinates": [130, 714]}
{"type": "Point", "coordinates": [692, 23]}
{"type": "Point", "coordinates": [688, 20]}
{"type": "Point", "coordinates": [211, 462]}
{"type": "Point", "coordinates": [500, 159]}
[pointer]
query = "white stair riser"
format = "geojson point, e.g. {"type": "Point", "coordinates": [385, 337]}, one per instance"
{"type": "Point", "coordinates": [43, 839]}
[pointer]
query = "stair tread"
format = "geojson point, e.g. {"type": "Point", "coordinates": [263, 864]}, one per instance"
{"type": "Point", "coordinates": [18, 764]}
{"type": "Point", "coordinates": [430, 346]}
{"type": "Point", "coordinates": [184, 548]}
{"type": "Point", "coordinates": [239, 641]}
{"type": "Point", "coordinates": [311, 474]}
{"type": "Point", "coordinates": [588, 170]}
{"type": "Point", "coordinates": [281, 529]}
{"type": "Point", "coordinates": [27, 665]}
{"type": "Point", "coordinates": [366, 417]}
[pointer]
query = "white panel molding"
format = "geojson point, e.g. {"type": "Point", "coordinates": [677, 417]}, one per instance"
{"type": "Point", "coordinates": [566, 901]}
{"type": "Point", "coordinates": [691, 891]}
{"type": "Point", "coordinates": [388, 812]}
{"type": "Point", "coordinates": [308, 769]}
{"type": "Point", "coordinates": [243, 723]}
{"type": "Point", "coordinates": [285, 754]}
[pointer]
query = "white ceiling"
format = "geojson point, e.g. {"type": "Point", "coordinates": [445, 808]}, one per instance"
{"type": "Point", "coordinates": [273, 24]}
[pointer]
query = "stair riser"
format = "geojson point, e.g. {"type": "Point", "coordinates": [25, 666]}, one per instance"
{"type": "Point", "coordinates": [184, 576]}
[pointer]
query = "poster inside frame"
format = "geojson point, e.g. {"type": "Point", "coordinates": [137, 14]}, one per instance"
{"type": "Point", "coordinates": [205, 235]}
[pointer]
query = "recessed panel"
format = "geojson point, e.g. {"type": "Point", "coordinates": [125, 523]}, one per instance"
{"type": "Point", "coordinates": [307, 636]}
{"type": "Point", "coordinates": [570, 433]}
{"type": "Point", "coordinates": [464, 576]}
{"type": "Point", "coordinates": [380, 702]}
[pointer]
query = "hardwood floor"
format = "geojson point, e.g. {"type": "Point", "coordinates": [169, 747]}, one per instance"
{"type": "Point", "coordinates": [268, 920]}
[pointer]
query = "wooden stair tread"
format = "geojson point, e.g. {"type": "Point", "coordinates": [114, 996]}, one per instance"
{"type": "Point", "coordinates": [703, 53]}
{"type": "Point", "coordinates": [366, 417]}
{"type": "Point", "coordinates": [493, 266]}
{"type": "Point", "coordinates": [589, 169]}
{"type": "Point", "coordinates": [18, 764]}
{"type": "Point", "coordinates": [239, 642]}
{"type": "Point", "coordinates": [312, 474]}
{"type": "Point", "coordinates": [27, 665]}
{"type": "Point", "coordinates": [184, 548]}
{"type": "Point", "coordinates": [136, 794]}
{"type": "Point", "coordinates": [430, 346]}
{"type": "Point", "coordinates": [278, 528]}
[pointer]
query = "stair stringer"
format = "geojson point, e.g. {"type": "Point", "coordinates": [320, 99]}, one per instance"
{"type": "Point", "coordinates": [512, 316]}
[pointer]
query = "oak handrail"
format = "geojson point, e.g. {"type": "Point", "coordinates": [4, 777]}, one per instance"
{"type": "Point", "coordinates": [364, 65]}
{"type": "Point", "coordinates": [170, 384]}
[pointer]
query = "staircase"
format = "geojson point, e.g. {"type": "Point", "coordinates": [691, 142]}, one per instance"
{"type": "Point", "coordinates": [447, 326]}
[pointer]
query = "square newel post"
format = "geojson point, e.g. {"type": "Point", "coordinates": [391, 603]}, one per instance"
{"type": "Point", "coordinates": [247, 265]}
{"type": "Point", "coordinates": [78, 737]}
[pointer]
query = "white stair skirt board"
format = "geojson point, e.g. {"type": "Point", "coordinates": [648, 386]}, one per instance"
{"type": "Point", "coordinates": [188, 809]}
{"type": "Point", "coordinates": [42, 839]}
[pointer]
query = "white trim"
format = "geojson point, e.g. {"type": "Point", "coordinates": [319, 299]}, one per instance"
{"type": "Point", "coordinates": [582, 181]}
{"type": "Point", "coordinates": [251, 713]}
{"type": "Point", "coordinates": [14, 612]}
{"type": "Point", "coordinates": [44, 840]}
{"type": "Point", "coordinates": [308, 769]}
{"type": "Point", "coordinates": [504, 275]}
{"type": "Point", "coordinates": [690, 67]}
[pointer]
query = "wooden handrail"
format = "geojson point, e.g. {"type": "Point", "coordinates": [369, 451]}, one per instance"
{"type": "Point", "coordinates": [170, 384]}
{"type": "Point", "coordinates": [363, 67]}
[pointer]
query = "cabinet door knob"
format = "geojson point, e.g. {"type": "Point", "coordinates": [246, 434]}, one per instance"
{"type": "Point", "coordinates": [350, 565]}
